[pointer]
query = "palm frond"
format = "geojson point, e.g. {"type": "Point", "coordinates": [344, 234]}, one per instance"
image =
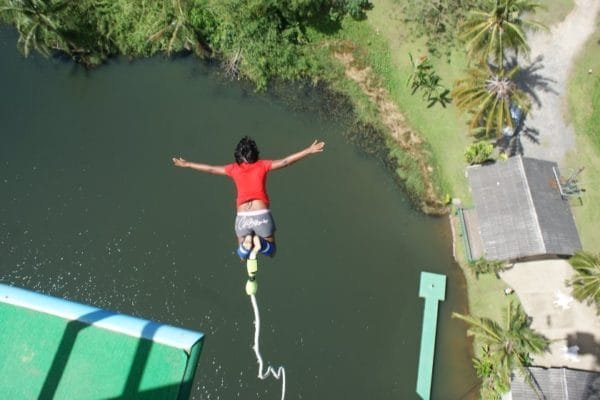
{"type": "Point", "coordinates": [487, 33]}
{"type": "Point", "coordinates": [586, 281]}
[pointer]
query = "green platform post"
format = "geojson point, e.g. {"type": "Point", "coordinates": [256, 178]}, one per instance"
{"type": "Point", "coordinates": [433, 290]}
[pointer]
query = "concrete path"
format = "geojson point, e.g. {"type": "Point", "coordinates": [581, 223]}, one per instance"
{"type": "Point", "coordinates": [545, 77]}
{"type": "Point", "coordinates": [573, 327]}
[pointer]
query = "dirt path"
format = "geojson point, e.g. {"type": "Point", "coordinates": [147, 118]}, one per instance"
{"type": "Point", "coordinates": [569, 324]}
{"type": "Point", "coordinates": [552, 55]}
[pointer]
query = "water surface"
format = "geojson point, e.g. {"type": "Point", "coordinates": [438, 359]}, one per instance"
{"type": "Point", "coordinates": [92, 210]}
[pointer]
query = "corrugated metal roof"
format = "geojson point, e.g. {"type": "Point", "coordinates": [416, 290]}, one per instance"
{"type": "Point", "coordinates": [520, 210]}
{"type": "Point", "coordinates": [558, 384]}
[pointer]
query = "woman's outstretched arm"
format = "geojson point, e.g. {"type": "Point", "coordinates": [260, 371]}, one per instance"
{"type": "Point", "coordinates": [315, 147]}
{"type": "Point", "coordinates": [211, 169]}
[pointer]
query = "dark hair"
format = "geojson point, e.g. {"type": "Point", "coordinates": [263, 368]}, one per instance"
{"type": "Point", "coordinates": [246, 151]}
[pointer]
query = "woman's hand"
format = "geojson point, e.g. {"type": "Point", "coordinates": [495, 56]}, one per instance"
{"type": "Point", "coordinates": [180, 162]}
{"type": "Point", "coordinates": [316, 147]}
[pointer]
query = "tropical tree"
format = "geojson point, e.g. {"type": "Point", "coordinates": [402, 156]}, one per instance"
{"type": "Point", "coordinates": [143, 27]}
{"type": "Point", "coordinates": [586, 281]}
{"type": "Point", "coordinates": [499, 26]}
{"type": "Point", "coordinates": [263, 39]}
{"type": "Point", "coordinates": [38, 23]}
{"type": "Point", "coordinates": [504, 348]}
{"type": "Point", "coordinates": [425, 78]}
{"type": "Point", "coordinates": [437, 21]}
{"type": "Point", "coordinates": [58, 25]}
{"type": "Point", "coordinates": [488, 93]}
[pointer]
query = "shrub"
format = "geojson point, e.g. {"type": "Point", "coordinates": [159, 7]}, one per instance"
{"type": "Point", "coordinates": [483, 266]}
{"type": "Point", "coordinates": [478, 152]}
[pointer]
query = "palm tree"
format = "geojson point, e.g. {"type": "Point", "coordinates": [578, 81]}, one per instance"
{"type": "Point", "coordinates": [586, 282]}
{"type": "Point", "coordinates": [37, 23]}
{"type": "Point", "coordinates": [177, 32]}
{"type": "Point", "coordinates": [487, 94]}
{"type": "Point", "coordinates": [505, 348]}
{"type": "Point", "coordinates": [489, 33]}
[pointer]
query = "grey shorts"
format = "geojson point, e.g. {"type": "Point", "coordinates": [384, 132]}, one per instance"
{"type": "Point", "coordinates": [259, 222]}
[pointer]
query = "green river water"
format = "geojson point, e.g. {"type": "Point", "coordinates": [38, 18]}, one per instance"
{"type": "Point", "coordinates": [92, 210]}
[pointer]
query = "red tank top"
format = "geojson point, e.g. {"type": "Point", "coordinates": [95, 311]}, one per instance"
{"type": "Point", "coordinates": [250, 180]}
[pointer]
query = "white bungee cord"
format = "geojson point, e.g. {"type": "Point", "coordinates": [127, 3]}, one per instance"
{"type": "Point", "coordinates": [278, 373]}
{"type": "Point", "coordinates": [251, 288]}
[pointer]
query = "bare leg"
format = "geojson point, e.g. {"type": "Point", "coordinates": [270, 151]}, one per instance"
{"type": "Point", "coordinates": [255, 248]}
{"type": "Point", "coordinates": [247, 242]}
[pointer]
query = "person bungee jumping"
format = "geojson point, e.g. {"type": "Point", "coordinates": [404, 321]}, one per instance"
{"type": "Point", "coordinates": [249, 173]}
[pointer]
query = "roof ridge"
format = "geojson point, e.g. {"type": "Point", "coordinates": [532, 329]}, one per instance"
{"type": "Point", "coordinates": [538, 229]}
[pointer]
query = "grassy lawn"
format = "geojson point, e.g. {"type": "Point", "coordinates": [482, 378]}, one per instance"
{"type": "Point", "coordinates": [384, 44]}
{"type": "Point", "coordinates": [442, 128]}
{"type": "Point", "coordinates": [584, 112]}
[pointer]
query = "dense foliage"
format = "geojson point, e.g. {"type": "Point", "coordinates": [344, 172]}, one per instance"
{"type": "Point", "coordinates": [259, 39]}
{"type": "Point", "coordinates": [483, 266]}
{"type": "Point", "coordinates": [437, 21]}
{"type": "Point", "coordinates": [90, 31]}
{"type": "Point", "coordinates": [506, 346]}
{"type": "Point", "coordinates": [479, 152]}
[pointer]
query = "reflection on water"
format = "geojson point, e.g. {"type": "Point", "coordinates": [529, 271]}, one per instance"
{"type": "Point", "coordinates": [92, 210]}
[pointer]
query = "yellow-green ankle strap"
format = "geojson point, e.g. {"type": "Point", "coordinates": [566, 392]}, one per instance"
{"type": "Point", "coordinates": [252, 266]}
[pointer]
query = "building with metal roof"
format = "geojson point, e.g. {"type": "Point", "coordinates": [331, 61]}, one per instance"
{"type": "Point", "coordinates": [519, 211]}
{"type": "Point", "coordinates": [556, 384]}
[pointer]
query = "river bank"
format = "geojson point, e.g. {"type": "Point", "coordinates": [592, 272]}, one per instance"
{"type": "Point", "coordinates": [570, 81]}
{"type": "Point", "coordinates": [423, 146]}
{"type": "Point", "coordinates": [375, 61]}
